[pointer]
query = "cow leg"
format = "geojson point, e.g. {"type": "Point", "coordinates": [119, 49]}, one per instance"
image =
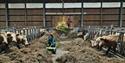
{"type": "Point", "coordinates": [18, 46]}
{"type": "Point", "coordinates": [108, 50]}
{"type": "Point", "coordinates": [7, 48]}
{"type": "Point", "coordinates": [114, 48]}
{"type": "Point", "coordinates": [99, 47]}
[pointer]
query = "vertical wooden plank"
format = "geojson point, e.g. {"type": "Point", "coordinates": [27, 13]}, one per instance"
{"type": "Point", "coordinates": [44, 13]}
{"type": "Point", "coordinates": [7, 15]}
{"type": "Point", "coordinates": [101, 15]}
{"type": "Point", "coordinates": [120, 13]}
{"type": "Point", "coordinates": [82, 14]}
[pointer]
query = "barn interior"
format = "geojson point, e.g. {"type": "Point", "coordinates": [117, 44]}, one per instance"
{"type": "Point", "coordinates": [80, 29]}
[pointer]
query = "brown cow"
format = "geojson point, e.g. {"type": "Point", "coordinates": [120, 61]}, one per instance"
{"type": "Point", "coordinates": [107, 41]}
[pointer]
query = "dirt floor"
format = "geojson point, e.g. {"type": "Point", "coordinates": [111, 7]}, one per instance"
{"type": "Point", "coordinates": [69, 51]}
{"type": "Point", "coordinates": [81, 52]}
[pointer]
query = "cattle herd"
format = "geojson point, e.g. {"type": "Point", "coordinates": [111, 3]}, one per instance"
{"type": "Point", "coordinates": [15, 39]}
{"type": "Point", "coordinates": [112, 39]}
{"type": "Point", "coordinates": [9, 39]}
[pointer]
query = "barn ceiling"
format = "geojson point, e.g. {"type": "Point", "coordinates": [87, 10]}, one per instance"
{"type": "Point", "coordinates": [56, 1]}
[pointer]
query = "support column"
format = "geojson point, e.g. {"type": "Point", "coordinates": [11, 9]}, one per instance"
{"type": "Point", "coordinates": [62, 7]}
{"type": "Point", "coordinates": [120, 14]}
{"type": "Point", "coordinates": [25, 13]}
{"type": "Point", "coordinates": [44, 13]}
{"type": "Point", "coordinates": [82, 14]}
{"type": "Point", "coordinates": [7, 13]}
{"type": "Point", "coordinates": [101, 15]}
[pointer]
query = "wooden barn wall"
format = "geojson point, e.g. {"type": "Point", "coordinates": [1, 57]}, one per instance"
{"type": "Point", "coordinates": [93, 17]}
{"type": "Point", "coordinates": [110, 16]}
{"type": "Point", "coordinates": [57, 19]}
{"type": "Point", "coordinates": [34, 17]}
{"type": "Point", "coordinates": [2, 17]}
{"type": "Point", "coordinates": [123, 17]}
{"type": "Point", "coordinates": [18, 18]}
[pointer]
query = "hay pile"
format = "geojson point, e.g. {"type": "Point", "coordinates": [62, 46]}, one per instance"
{"type": "Point", "coordinates": [80, 52]}
{"type": "Point", "coordinates": [34, 53]}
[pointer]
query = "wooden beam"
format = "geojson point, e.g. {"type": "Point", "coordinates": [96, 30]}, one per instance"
{"type": "Point", "coordinates": [25, 13]}
{"type": "Point", "coordinates": [121, 14]}
{"type": "Point", "coordinates": [82, 13]}
{"type": "Point", "coordinates": [101, 15]}
{"type": "Point", "coordinates": [44, 13]}
{"type": "Point", "coordinates": [7, 13]}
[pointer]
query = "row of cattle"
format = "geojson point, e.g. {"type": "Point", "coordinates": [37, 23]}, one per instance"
{"type": "Point", "coordinates": [8, 39]}
{"type": "Point", "coordinates": [109, 41]}
{"type": "Point", "coordinates": [13, 39]}
{"type": "Point", "coordinates": [105, 39]}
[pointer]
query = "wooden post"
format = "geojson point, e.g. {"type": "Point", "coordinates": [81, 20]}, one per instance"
{"type": "Point", "coordinates": [82, 14]}
{"type": "Point", "coordinates": [44, 13]}
{"type": "Point", "coordinates": [101, 15]}
{"type": "Point", "coordinates": [120, 13]}
{"type": "Point", "coordinates": [25, 13]}
{"type": "Point", "coordinates": [7, 13]}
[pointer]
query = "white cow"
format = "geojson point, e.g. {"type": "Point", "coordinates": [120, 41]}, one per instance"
{"type": "Point", "coordinates": [22, 39]}
{"type": "Point", "coordinates": [11, 36]}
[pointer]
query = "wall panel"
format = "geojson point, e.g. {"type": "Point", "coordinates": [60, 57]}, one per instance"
{"type": "Point", "coordinates": [34, 18]}
{"type": "Point", "coordinates": [109, 23]}
{"type": "Point", "coordinates": [16, 23]}
{"type": "Point", "coordinates": [110, 11]}
{"type": "Point", "coordinates": [110, 17]}
{"type": "Point", "coordinates": [124, 11]}
{"type": "Point", "coordinates": [35, 23]}
{"type": "Point", "coordinates": [17, 18]}
{"type": "Point", "coordinates": [123, 17]}
{"type": "Point", "coordinates": [91, 23]}
{"type": "Point", "coordinates": [34, 12]}
{"type": "Point", "coordinates": [2, 24]}
{"type": "Point", "coordinates": [2, 18]}
{"type": "Point", "coordinates": [16, 12]}
{"type": "Point", "coordinates": [92, 11]}
{"type": "Point", "coordinates": [2, 12]}
{"type": "Point", "coordinates": [91, 17]}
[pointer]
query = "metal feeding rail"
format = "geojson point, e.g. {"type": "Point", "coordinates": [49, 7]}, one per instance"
{"type": "Point", "coordinates": [101, 31]}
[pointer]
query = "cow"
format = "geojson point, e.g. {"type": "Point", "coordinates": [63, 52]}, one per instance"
{"type": "Point", "coordinates": [3, 42]}
{"type": "Point", "coordinates": [11, 38]}
{"type": "Point", "coordinates": [16, 39]}
{"type": "Point", "coordinates": [109, 41]}
{"type": "Point", "coordinates": [21, 39]}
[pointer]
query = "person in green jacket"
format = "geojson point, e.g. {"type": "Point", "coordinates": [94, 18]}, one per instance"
{"type": "Point", "coordinates": [51, 40]}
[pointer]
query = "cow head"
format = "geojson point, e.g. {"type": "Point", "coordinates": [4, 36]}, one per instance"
{"type": "Point", "coordinates": [22, 39]}
{"type": "Point", "coordinates": [11, 36]}
{"type": "Point", "coordinates": [97, 42]}
{"type": "Point", "coordinates": [4, 38]}
{"type": "Point", "coordinates": [94, 43]}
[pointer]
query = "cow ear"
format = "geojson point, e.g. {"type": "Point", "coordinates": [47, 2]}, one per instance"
{"type": "Point", "coordinates": [17, 34]}
{"type": "Point", "coordinates": [101, 39]}
{"type": "Point", "coordinates": [8, 34]}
